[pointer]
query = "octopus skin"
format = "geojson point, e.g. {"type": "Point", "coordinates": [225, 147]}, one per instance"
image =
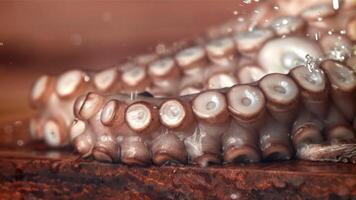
{"type": "Point", "coordinates": [266, 93]}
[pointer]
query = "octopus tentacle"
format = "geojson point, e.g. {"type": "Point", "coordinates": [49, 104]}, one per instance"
{"type": "Point", "coordinates": [246, 94]}
{"type": "Point", "coordinates": [282, 95]}
{"type": "Point", "coordinates": [274, 141]}
{"type": "Point", "coordinates": [240, 144]}
{"type": "Point", "coordinates": [343, 87]}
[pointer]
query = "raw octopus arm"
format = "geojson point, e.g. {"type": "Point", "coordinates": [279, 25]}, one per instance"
{"type": "Point", "coordinates": [273, 86]}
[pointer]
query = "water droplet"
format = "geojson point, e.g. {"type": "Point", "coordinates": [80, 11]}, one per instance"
{"type": "Point", "coordinates": [235, 12]}
{"type": "Point", "coordinates": [276, 7]}
{"type": "Point", "coordinates": [20, 143]}
{"type": "Point", "coordinates": [343, 32]}
{"type": "Point", "coordinates": [317, 35]}
{"type": "Point", "coordinates": [285, 21]}
{"type": "Point", "coordinates": [336, 4]}
{"type": "Point", "coordinates": [240, 19]}
{"type": "Point", "coordinates": [86, 78]}
{"type": "Point", "coordinates": [233, 196]}
{"type": "Point", "coordinates": [246, 1]}
{"type": "Point", "coordinates": [161, 48]}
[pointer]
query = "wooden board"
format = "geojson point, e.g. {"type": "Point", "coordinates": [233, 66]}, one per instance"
{"type": "Point", "coordinates": [59, 174]}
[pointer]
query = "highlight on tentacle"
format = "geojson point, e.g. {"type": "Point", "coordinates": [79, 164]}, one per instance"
{"type": "Point", "coordinates": [249, 42]}
{"type": "Point", "coordinates": [249, 73]}
{"type": "Point", "coordinates": [246, 104]}
{"type": "Point", "coordinates": [135, 78]}
{"type": "Point", "coordinates": [106, 149]}
{"type": "Point", "coordinates": [337, 128]}
{"type": "Point", "coordinates": [55, 132]}
{"type": "Point", "coordinates": [307, 129]}
{"type": "Point", "coordinates": [142, 117]}
{"type": "Point", "coordinates": [107, 80]}
{"type": "Point", "coordinates": [282, 97]}
{"type": "Point", "coordinates": [221, 51]}
{"type": "Point", "coordinates": [286, 25]}
{"type": "Point", "coordinates": [176, 115]}
{"type": "Point", "coordinates": [274, 141]}
{"type": "Point", "coordinates": [313, 89]}
{"type": "Point", "coordinates": [210, 109]}
{"type": "Point", "coordinates": [82, 137]}
{"type": "Point", "coordinates": [71, 83]}
{"type": "Point", "coordinates": [191, 59]}
{"type": "Point", "coordinates": [288, 52]}
{"type": "Point", "coordinates": [41, 90]}
{"type": "Point", "coordinates": [167, 148]}
{"type": "Point", "coordinates": [134, 151]}
{"type": "Point", "coordinates": [240, 145]}
{"type": "Point", "coordinates": [343, 87]}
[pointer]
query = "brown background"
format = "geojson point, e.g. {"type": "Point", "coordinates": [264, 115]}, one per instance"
{"type": "Point", "coordinates": [50, 36]}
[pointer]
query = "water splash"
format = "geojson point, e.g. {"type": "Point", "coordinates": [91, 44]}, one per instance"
{"type": "Point", "coordinates": [340, 52]}
{"type": "Point", "coordinates": [312, 65]}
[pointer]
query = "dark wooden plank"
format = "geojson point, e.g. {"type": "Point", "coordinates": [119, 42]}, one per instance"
{"type": "Point", "coordinates": [30, 174]}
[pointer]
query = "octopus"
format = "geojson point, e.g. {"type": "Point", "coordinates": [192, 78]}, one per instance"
{"type": "Point", "coordinates": [272, 86]}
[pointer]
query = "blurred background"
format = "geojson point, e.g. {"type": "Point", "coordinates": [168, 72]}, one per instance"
{"type": "Point", "coordinates": [39, 37]}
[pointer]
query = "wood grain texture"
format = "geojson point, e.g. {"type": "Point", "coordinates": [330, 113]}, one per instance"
{"type": "Point", "coordinates": [47, 175]}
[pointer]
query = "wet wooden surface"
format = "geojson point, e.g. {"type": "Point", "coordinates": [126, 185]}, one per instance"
{"type": "Point", "coordinates": [30, 171]}
{"type": "Point", "coordinates": [51, 174]}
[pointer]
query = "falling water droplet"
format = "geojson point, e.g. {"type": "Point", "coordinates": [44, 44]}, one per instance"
{"type": "Point", "coordinates": [235, 12]}
{"type": "Point", "coordinates": [336, 4]}
{"type": "Point", "coordinates": [133, 95]}
{"type": "Point", "coordinates": [317, 36]}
